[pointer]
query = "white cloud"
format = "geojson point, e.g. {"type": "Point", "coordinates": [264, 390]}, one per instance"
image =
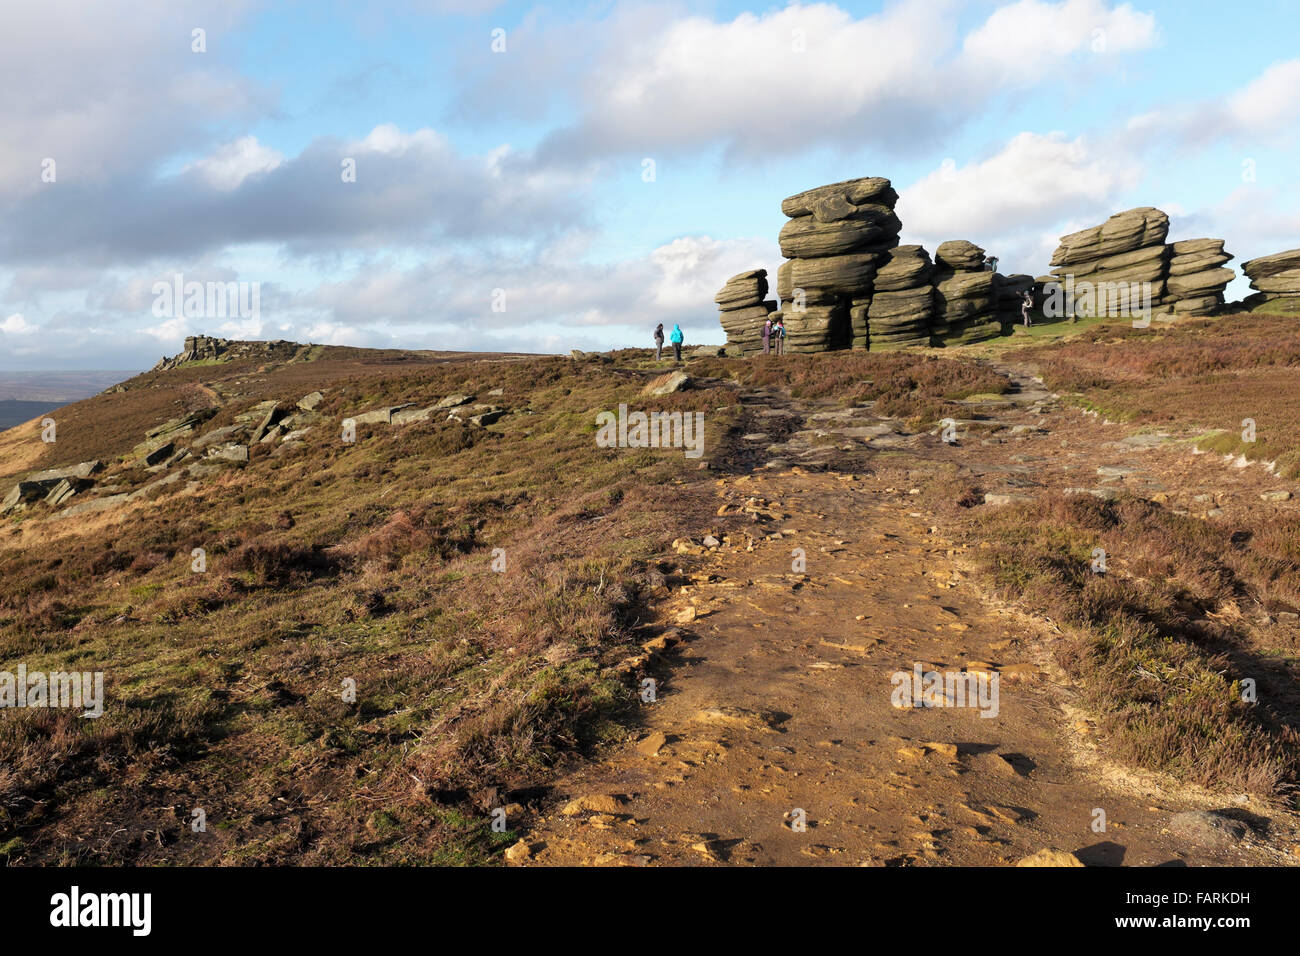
{"type": "Point", "coordinates": [793, 79]}
{"type": "Point", "coordinates": [105, 87]}
{"type": "Point", "coordinates": [17, 325]}
{"type": "Point", "coordinates": [230, 164]}
{"type": "Point", "coordinates": [1024, 41]}
{"type": "Point", "coordinates": [171, 331]}
{"type": "Point", "coordinates": [1017, 202]}
{"type": "Point", "coordinates": [1269, 102]}
{"type": "Point", "coordinates": [1260, 113]}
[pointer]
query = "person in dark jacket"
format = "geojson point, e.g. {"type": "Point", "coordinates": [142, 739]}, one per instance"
{"type": "Point", "coordinates": [659, 341]}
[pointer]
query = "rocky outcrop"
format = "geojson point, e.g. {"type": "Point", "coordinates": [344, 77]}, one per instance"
{"type": "Point", "coordinates": [744, 309]}
{"type": "Point", "coordinates": [1124, 267]}
{"type": "Point", "coordinates": [1273, 277]}
{"type": "Point", "coordinates": [55, 486]}
{"type": "Point", "coordinates": [206, 348]}
{"type": "Point", "coordinates": [901, 310]}
{"type": "Point", "coordinates": [838, 238]}
{"type": "Point", "coordinates": [1119, 267]}
{"type": "Point", "coordinates": [966, 295]}
{"type": "Point", "coordinates": [847, 283]}
{"type": "Point", "coordinates": [1196, 278]}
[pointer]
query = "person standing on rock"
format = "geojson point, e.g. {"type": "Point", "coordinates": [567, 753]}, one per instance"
{"type": "Point", "coordinates": [767, 335]}
{"type": "Point", "coordinates": [1026, 303]}
{"type": "Point", "coordinates": [659, 341]}
{"type": "Point", "coordinates": [779, 331]}
{"type": "Point", "coordinates": [677, 339]}
{"type": "Point", "coordinates": [991, 263]}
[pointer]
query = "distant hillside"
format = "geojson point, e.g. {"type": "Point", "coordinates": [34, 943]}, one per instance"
{"type": "Point", "coordinates": [59, 387]}
{"type": "Point", "coordinates": [15, 413]}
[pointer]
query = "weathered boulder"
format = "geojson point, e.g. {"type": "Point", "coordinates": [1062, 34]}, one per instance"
{"type": "Point", "coordinates": [908, 267]}
{"type": "Point", "coordinates": [744, 327]}
{"type": "Point", "coordinates": [83, 470]}
{"type": "Point", "coordinates": [1275, 276]}
{"type": "Point", "coordinates": [787, 291]}
{"type": "Point", "coordinates": [825, 201]}
{"type": "Point", "coordinates": [1200, 283]}
{"type": "Point", "coordinates": [65, 489]}
{"type": "Point", "coordinates": [309, 402]}
{"type": "Point", "coordinates": [1196, 255]}
{"type": "Point", "coordinates": [667, 384]}
{"type": "Point", "coordinates": [965, 306]}
{"type": "Point", "coordinates": [818, 328]}
{"type": "Point", "coordinates": [742, 290]}
{"type": "Point", "coordinates": [846, 275]}
{"type": "Point", "coordinates": [1122, 232]}
{"type": "Point", "coordinates": [231, 452]}
{"type": "Point", "coordinates": [870, 228]}
{"type": "Point", "coordinates": [380, 416]}
{"type": "Point", "coordinates": [958, 255]}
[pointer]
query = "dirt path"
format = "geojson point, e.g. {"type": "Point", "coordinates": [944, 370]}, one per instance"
{"type": "Point", "coordinates": [775, 737]}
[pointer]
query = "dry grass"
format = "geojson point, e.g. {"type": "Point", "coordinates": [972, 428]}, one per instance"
{"type": "Point", "coordinates": [1158, 643]}
{"type": "Point", "coordinates": [371, 563]}
{"type": "Point", "coordinates": [916, 387]}
{"type": "Point", "coordinates": [1211, 374]}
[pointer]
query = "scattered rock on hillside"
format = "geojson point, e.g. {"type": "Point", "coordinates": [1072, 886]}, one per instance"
{"type": "Point", "coordinates": [308, 403]}
{"type": "Point", "coordinates": [595, 803]}
{"type": "Point", "coordinates": [1208, 828]}
{"type": "Point", "coordinates": [667, 384]}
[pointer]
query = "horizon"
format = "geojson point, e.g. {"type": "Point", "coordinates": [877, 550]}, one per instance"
{"type": "Point", "coordinates": [434, 176]}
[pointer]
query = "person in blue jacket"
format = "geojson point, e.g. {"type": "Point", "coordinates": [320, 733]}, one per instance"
{"type": "Point", "coordinates": [677, 339]}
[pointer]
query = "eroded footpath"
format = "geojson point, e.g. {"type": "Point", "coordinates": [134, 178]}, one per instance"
{"type": "Point", "coordinates": [774, 736]}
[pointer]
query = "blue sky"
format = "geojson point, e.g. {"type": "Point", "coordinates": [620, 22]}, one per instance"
{"type": "Point", "coordinates": [1008, 124]}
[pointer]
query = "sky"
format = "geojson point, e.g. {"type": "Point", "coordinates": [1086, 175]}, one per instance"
{"type": "Point", "coordinates": [480, 175]}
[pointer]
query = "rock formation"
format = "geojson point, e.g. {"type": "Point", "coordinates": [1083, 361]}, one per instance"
{"type": "Point", "coordinates": [1273, 277]}
{"type": "Point", "coordinates": [847, 283]}
{"type": "Point", "coordinates": [1196, 280]}
{"type": "Point", "coordinates": [743, 311]}
{"type": "Point", "coordinates": [902, 307]}
{"type": "Point", "coordinates": [1125, 266]}
{"type": "Point", "coordinates": [966, 295]}
{"type": "Point", "coordinates": [837, 239]}
{"type": "Point", "coordinates": [205, 348]}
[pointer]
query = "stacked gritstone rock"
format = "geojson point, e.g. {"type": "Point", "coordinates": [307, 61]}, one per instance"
{"type": "Point", "coordinates": [1274, 277]}
{"type": "Point", "coordinates": [965, 296]}
{"type": "Point", "coordinates": [837, 238]}
{"type": "Point", "coordinates": [743, 311]}
{"type": "Point", "coordinates": [1187, 278]}
{"type": "Point", "coordinates": [1196, 280]}
{"type": "Point", "coordinates": [901, 309]}
{"type": "Point", "coordinates": [1128, 248]}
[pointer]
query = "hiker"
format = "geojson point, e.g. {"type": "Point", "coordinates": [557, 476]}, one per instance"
{"type": "Point", "coordinates": [991, 263]}
{"type": "Point", "coordinates": [677, 340]}
{"type": "Point", "coordinates": [779, 331]}
{"type": "Point", "coordinates": [767, 335]}
{"type": "Point", "coordinates": [1026, 303]}
{"type": "Point", "coordinates": [659, 341]}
